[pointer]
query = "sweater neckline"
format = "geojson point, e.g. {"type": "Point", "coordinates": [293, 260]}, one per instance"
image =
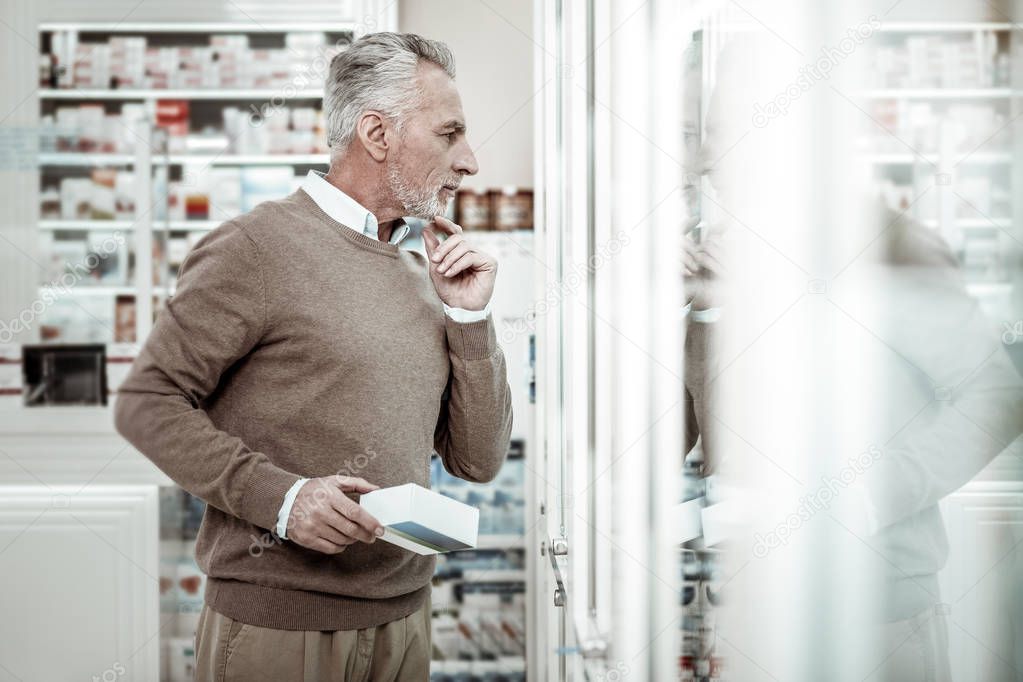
{"type": "Point", "coordinates": [346, 231]}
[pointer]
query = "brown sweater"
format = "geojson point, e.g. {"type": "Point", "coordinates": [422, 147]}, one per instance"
{"type": "Point", "coordinates": [296, 347]}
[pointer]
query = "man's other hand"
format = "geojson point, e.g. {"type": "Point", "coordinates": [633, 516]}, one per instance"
{"type": "Point", "coordinates": [325, 519]}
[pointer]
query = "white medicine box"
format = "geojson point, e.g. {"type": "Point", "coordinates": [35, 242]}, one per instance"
{"type": "Point", "coordinates": [421, 520]}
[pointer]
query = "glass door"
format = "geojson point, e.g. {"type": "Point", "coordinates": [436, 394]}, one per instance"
{"type": "Point", "coordinates": [609, 341]}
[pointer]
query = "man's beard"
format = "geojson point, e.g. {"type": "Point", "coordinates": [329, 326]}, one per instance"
{"type": "Point", "coordinates": [416, 202]}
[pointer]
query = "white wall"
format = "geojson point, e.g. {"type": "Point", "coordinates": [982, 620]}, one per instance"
{"type": "Point", "coordinates": [494, 60]}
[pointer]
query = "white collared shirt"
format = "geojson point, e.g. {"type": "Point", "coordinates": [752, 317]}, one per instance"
{"type": "Point", "coordinates": [353, 215]}
{"type": "Point", "coordinates": [346, 210]}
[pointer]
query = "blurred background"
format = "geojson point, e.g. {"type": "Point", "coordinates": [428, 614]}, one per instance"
{"type": "Point", "coordinates": [759, 293]}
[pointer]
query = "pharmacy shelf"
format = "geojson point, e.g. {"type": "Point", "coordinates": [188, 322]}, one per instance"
{"type": "Point", "coordinates": [196, 27]}
{"type": "Point", "coordinates": [507, 575]}
{"type": "Point", "coordinates": [945, 26]}
{"type": "Point", "coordinates": [504, 664]}
{"type": "Point", "coordinates": [905, 159]}
{"type": "Point", "coordinates": [501, 542]}
{"type": "Point", "coordinates": [102, 290]}
{"type": "Point", "coordinates": [974, 223]}
{"type": "Point", "coordinates": [196, 93]}
{"type": "Point", "coordinates": [127, 225]}
{"type": "Point", "coordinates": [84, 159]}
{"type": "Point", "coordinates": [985, 289]}
{"type": "Point", "coordinates": [86, 225]}
{"type": "Point", "coordinates": [941, 93]}
{"type": "Point", "coordinates": [89, 159]}
{"type": "Point", "coordinates": [187, 225]}
{"type": "Point", "coordinates": [246, 159]}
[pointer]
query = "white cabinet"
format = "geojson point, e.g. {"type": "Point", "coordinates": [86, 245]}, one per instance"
{"type": "Point", "coordinates": [81, 588]}
{"type": "Point", "coordinates": [981, 582]}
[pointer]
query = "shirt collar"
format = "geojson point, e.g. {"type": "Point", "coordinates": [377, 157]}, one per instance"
{"type": "Point", "coordinates": [346, 210]}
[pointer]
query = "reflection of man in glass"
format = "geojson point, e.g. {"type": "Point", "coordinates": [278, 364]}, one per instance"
{"type": "Point", "coordinates": [701, 268]}
{"type": "Point", "coordinates": [952, 402]}
{"type": "Point", "coordinates": [943, 395]}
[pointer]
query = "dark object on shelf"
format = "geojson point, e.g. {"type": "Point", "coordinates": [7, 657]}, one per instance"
{"type": "Point", "coordinates": [124, 319]}
{"type": "Point", "coordinates": [473, 210]}
{"type": "Point", "coordinates": [64, 374]}
{"type": "Point", "coordinates": [512, 209]}
{"type": "Point", "coordinates": [516, 448]}
{"type": "Point", "coordinates": [532, 369]}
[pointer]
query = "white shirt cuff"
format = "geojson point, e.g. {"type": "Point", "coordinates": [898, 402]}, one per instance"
{"type": "Point", "coordinates": [463, 315]}
{"type": "Point", "coordinates": [708, 316]}
{"type": "Point", "coordinates": [285, 512]}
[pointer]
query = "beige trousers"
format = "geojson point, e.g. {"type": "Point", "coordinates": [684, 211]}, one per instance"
{"type": "Point", "coordinates": [227, 650]}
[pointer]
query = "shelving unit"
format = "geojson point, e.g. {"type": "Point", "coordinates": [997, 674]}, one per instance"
{"type": "Point", "coordinates": [103, 290]}
{"type": "Point", "coordinates": [979, 158]}
{"type": "Point", "coordinates": [950, 26]}
{"type": "Point", "coordinates": [968, 164]}
{"type": "Point", "coordinates": [473, 589]}
{"type": "Point", "coordinates": [90, 160]}
{"type": "Point", "coordinates": [195, 27]}
{"type": "Point", "coordinates": [173, 93]}
{"type": "Point", "coordinates": [207, 110]}
{"type": "Point", "coordinates": [86, 225]}
{"type": "Point", "coordinates": [941, 93]}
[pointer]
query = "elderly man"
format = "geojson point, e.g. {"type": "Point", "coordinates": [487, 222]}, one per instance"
{"type": "Point", "coordinates": [306, 358]}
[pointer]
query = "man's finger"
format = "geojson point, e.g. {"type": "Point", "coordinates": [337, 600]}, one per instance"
{"type": "Point", "coordinates": [353, 530]}
{"type": "Point", "coordinates": [713, 248]}
{"type": "Point", "coordinates": [689, 263]}
{"type": "Point", "coordinates": [334, 537]}
{"type": "Point", "coordinates": [710, 263]}
{"type": "Point", "coordinates": [452, 256]}
{"type": "Point", "coordinates": [446, 247]}
{"type": "Point", "coordinates": [359, 516]}
{"type": "Point", "coordinates": [446, 225]}
{"type": "Point", "coordinates": [430, 241]}
{"type": "Point", "coordinates": [336, 522]}
{"type": "Point", "coordinates": [471, 259]}
{"type": "Point", "coordinates": [351, 484]}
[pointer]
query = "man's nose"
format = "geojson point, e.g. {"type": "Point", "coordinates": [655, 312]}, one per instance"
{"type": "Point", "coordinates": [466, 160]}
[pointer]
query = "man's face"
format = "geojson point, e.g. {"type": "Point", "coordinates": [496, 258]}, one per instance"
{"type": "Point", "coordinates": [432, 154]}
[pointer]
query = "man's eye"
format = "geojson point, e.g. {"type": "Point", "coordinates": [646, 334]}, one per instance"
{"type": "Point", "coordinates": [451, 136]}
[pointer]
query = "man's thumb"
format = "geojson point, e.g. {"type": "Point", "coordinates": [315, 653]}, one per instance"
{"type": "Point", "coordinates": [430, 240]}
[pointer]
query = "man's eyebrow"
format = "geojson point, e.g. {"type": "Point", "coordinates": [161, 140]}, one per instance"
{"type": "Point", "coordinates": [454, 125]}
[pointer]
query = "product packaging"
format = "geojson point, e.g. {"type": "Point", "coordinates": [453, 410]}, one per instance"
{"type": "Point", "coordinates": [421, 520]}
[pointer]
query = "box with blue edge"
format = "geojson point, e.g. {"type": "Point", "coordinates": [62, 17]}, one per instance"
{"type": "Point", "coordinates": [421, 520]}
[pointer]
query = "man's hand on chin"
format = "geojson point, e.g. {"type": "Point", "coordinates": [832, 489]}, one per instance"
{"type": "Point", "coordinates": [462, 275]}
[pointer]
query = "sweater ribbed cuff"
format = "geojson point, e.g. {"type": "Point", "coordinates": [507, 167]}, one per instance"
{"type": "Point", "coordinates": [264, 494]}
{"type": "Point", "coordinates": [472, 340]}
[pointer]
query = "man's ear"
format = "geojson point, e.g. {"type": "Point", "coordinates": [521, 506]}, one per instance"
{"type": "Point", "coordinates": [372, 130]}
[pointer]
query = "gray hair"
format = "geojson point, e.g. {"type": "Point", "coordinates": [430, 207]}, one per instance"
{"type": "Point", "coordinates": [377, 72]}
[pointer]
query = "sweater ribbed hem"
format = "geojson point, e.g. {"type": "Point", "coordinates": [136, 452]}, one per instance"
{"type": "Point", "coordinates": [908, 596]}
{"type": "Point", "coordinates": [471, 340]}
{"type": "Point", "coordinates": [281, 609]}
